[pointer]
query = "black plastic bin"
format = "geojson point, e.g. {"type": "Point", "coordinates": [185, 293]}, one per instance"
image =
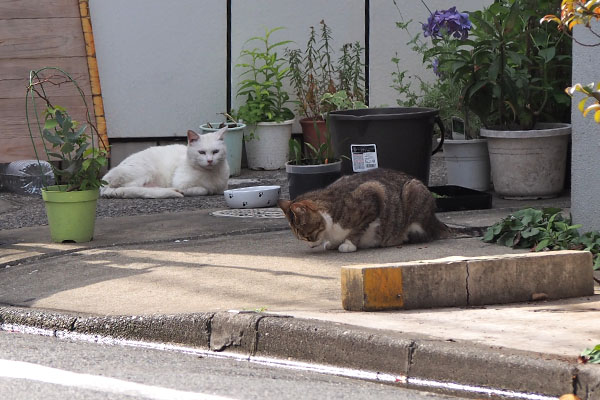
{"type": "Point", "coordinates": [456, 198]}
{"type": "Point", "coordinates": [402, 137]}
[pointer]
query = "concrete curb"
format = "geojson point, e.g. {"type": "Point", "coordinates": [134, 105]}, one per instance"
{"type": "Point", "coordinates": [339, 345]}
{"type": "Point", "coordinates": [467, 281]}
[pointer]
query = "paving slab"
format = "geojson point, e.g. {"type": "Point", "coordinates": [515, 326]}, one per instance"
{"type": "Point", "coordinates": [274, 272]}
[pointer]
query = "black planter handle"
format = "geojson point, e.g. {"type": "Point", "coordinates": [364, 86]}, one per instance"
{"type": "Point", "coordinates": [440, 124]}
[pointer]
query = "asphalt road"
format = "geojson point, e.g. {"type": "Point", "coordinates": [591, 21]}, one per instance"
{"type": "Point", "coordinates": [36, 367]}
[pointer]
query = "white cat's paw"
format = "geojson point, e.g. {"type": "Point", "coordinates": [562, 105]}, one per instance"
{"type": "Point", "coordinates": [327, 245]}
{"type": "Point", "coordinates": [347, 247]}
{"type": "Point", "coordinates": [195, 191]}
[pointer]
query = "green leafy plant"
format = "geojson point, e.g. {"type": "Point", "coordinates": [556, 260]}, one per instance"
{"type": "Point", "coordinates": [545, 229]}
{"type": "Point", "coordinates": [76, 157]}
{"type": "Point", "coordinates": [511, 68]}
{"type": "Point", "coordinates": [314, 72]}
{"type": "Point", "coordinates": [591, 356]}
{"type": "Point", "coordinates": [265, 72]}
{"type": "Point", "coordinates": [81, 163]}
{"type": "Point", "coordinates": [312, 155]}
{"type": "Point", "coordinates": [341, 101]}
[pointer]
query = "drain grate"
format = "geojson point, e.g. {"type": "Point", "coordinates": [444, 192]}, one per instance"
{"type": "Point", "coordinates": [250, 213]}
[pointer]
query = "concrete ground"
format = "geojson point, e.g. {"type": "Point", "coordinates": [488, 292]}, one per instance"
{"type": "Point", "coordinates": [200, 265]}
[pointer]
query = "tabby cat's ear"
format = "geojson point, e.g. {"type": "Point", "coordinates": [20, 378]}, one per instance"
{"type": "Point", "coordinates": [284, 205]}
{"type": "Point", "coordinates": [192, 136]}
{"type": "Point", "coordinates": [304, 206]}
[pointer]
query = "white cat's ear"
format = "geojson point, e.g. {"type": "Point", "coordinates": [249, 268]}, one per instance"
{"type": "Point", "coordinates": [220, 134]}
{"type": "Point", "coordinates": [192, 136]}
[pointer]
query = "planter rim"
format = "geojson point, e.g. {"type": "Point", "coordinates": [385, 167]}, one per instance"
{"type": "Point", "coordinates": [384, 113]}
{"type": "Point", "coordinates": [542, 130]}
{"type": "Point", "coordinates": [204, 127]}
{"type": "Point", "coordinates": [53, 193]}
{"type": "Point", "coordinates": [313, 169]}
{"type": "Point", "coordinates": [286, 122]}
{"type": "Point", "coordinates": [464, 141]}
{"type": "Point", "coordinates": [308, 119]}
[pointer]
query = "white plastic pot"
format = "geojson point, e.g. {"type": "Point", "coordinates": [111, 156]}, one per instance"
{"type": "Point", "coordinates": [267, 144]}
{"type": "Point", "coordinates": [468, 163]}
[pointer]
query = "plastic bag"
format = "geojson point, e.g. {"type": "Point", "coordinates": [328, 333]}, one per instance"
{"type": "Point", "coordinates": [26, 176]}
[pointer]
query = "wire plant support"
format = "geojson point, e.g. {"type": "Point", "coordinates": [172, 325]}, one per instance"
{"type": "Point", "coordinates": [86, 159]}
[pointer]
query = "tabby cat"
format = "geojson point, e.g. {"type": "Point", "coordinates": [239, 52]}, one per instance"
{"type": "Point", "coordinates": [377, 208]}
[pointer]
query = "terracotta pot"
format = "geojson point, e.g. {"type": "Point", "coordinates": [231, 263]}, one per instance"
{"type": "Point", "coordinates": [310, 134]}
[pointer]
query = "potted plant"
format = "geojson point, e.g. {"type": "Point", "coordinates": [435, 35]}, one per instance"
{"type": "Point", "coordinates": [465, 153]}
{"type": "Point", "coordinates": [76, 156]}
{"type": "Point", "coordinates": [234, 140]}
{"type": "Point", "coordinates": [264, 111]}
{"type": "Point", "coordinates": [313, 167]}
{"type": "Point", "coordinates": [314, 73]}
{"type": "Point", "coordinates": [511, 70]}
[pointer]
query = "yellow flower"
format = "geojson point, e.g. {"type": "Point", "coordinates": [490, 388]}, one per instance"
{"type": "Point", "coordinates": [574, 12]}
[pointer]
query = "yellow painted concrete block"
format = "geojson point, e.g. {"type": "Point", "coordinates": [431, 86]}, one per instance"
{"type": "Point", "coordinates": [372, 288]}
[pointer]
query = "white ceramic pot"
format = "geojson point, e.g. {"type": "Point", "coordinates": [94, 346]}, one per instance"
{"type": "Point", "coordinates": [467, 163]}
{"type": "Point", "coordinates": [267, 144]}
{"type": "Point", "coordinates": [529, 164]}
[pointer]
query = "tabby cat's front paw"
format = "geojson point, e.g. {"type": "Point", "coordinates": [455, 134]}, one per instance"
{"type": "Point", "coordinates": [347, 247]}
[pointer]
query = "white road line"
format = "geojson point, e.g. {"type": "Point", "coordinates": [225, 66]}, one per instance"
{"type": "Point", "coordinates": [274, 362]}
{"type": "Point", "coordinates": [40, 373]}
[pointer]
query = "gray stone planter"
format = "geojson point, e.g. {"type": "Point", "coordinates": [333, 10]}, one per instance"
{"type": "Point", "coordinates": [529, 164]}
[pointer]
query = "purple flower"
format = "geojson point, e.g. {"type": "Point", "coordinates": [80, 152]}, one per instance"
{"type": "Point", "coordinates": [436, 67]}
{"type": "Point", "coordinates": [447, 22]}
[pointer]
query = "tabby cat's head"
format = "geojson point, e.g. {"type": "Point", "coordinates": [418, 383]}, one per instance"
{"type": "Point", "coordinates": [304, 218]}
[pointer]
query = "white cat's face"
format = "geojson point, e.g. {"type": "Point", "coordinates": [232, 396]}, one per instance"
{"type": "Point", "coordinates": [207, 150]}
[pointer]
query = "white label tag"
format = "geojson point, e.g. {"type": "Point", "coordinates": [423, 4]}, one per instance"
{"type": "Point", "coordinates": [364, 157]}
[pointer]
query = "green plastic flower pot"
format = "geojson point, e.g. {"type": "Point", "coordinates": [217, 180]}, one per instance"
{"type": "Point", "coordinates": [71, 215]}
{"type": "Point", "coordinates": [233, 141]}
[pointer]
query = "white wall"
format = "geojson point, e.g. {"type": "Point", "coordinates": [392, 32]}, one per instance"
{"type": "Point", "coordinates": [162, 64]}
{"type": "Point", "coordinates": [250, 18]}
{"type": "Point", "coordinates": [386, 39]}
{"type": "Point", "coordinates": [585, 164]}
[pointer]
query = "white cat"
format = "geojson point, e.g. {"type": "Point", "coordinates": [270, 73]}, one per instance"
{"type": "Point", "coordinates": [176, 170]}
